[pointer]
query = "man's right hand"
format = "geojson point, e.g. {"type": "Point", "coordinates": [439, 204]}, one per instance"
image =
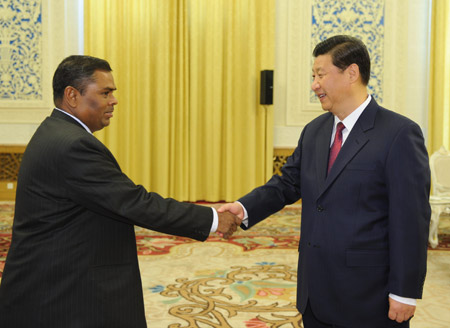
{"type": "Point", "coordinates": [235, 208]}
{"type": "Point", "coordinates": [228, 224]}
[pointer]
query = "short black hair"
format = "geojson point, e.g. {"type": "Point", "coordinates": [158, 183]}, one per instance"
{"type": "Point", "coordinates": [76, 71]}
{"type": "Point", "coordinates": [346, 50]}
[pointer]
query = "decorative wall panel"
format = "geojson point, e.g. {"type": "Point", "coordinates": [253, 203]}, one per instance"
{"type": "Point", "coordinates": [35, 35]}
{"type": "Point", "coordinates": [20, 50]}
{"type": "Point", "coordinates": [10, 159]}
{"type": "Point", "coordinates": [360, 18]}
{"type": "Point", "coordinates": [280, 156]}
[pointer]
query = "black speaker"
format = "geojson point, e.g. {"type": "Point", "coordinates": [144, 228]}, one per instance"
{"type": "Point", "coordinates": [266, 97]}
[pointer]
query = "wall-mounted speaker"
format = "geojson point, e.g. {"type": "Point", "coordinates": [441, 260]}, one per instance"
{"type": "Point", "coordinates": [266, 97]}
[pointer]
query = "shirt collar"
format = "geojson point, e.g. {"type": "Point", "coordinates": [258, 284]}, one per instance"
{"type": "Point", "coordinates": [76, 119]}
{"type": "Point", "coordinates": [351, 119]}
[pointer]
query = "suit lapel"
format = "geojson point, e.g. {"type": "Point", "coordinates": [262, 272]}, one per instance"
{"type": "Point", "coordinates": [354, 143]}
{"type": "Point", "coordinates": [322, 150]}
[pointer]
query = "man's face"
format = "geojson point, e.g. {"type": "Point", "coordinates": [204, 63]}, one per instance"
{"type": "Point", "coordinates": [96, 105]}
{"type": "Point", "coordinates": [330, 84]}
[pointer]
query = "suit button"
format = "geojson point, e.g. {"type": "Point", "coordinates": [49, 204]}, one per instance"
{"type": "Point", "coordinates": [319, 208]}
{"type": "Point", "coordinates": [309, 244]}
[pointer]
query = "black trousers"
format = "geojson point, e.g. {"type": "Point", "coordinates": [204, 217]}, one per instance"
{"type": "Point", "coordinates": [311, 321]}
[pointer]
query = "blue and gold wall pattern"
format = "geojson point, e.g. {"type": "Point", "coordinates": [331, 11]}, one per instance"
{"type": "Point", "coordinates": [20, 50]}
{"type": "Point", "coordinates": [363, 19]}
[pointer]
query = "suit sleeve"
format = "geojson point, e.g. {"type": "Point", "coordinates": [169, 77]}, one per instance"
{"type": "Point", "coordinates": [278, 192]}
{"type": "Point", "coordinates": [95, 181]}
{"type": "Point", "coordinates": [408, 183]}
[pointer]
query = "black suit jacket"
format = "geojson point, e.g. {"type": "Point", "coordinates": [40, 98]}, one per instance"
{"type": "Point", "coordinates": [73, 259]}
{"type": "Point", "coordinates": [364, 227]}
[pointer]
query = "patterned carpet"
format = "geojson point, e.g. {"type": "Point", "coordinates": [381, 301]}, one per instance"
{"type": "Point", "coordinates": [248, 281]}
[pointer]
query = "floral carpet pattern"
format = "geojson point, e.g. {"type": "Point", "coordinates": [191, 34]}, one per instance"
{"type": "Point", "coordinates": [211, 297]}
{"type": "Point", "coordinates": [248, 281]}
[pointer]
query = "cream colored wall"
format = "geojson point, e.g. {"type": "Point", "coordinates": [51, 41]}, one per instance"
{"type": "Point", "coordinates": [405, 80]}
{"type": "Point", "coordinates": [62, 35]}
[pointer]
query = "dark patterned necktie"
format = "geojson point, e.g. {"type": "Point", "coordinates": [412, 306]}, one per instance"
{"type": "Point", "coordinates": [336, 146]}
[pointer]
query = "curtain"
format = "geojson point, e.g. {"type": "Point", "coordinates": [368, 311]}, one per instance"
{"type": "Point", "coordinates": [188, 124]}
{"type": "Point", "coordinates": [439, 99]}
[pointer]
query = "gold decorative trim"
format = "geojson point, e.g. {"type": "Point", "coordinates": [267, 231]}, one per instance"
{"type": "Point", "coordinates": [280, 156]}
{"type": "Point", "coordinates": [10, 158]}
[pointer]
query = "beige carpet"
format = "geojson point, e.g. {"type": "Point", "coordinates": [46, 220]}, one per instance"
{"type": "Point", "coordinates": [249, 281]}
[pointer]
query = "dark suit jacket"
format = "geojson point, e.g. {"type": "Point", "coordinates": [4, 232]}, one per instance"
{"type": "Point", "coordinates": [73, 259]}
{"type": "Point", "coordinates": [364, 227]}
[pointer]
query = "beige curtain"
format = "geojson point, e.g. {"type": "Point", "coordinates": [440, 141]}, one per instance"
{"type": "Point", "coordinates": [188, 124]}
{"type": "Point", "coordinates": [439, 103]}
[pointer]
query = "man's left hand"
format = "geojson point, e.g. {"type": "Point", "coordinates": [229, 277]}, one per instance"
{"type": "Point", "coordinates": [400, 311]}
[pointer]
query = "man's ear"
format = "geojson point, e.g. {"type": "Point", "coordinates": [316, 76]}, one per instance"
{"type": "Point", "coordinates": [71, 94]}
{"type": "Point", "coordinates": [353, 72]}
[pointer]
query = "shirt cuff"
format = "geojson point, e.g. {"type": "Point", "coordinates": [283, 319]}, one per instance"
{"type": "Point", "coordinates": [245, 219]}
{"type": "Point", "coordinates": [404, 300]}
{"type": "Point", "coordinates": [215, 220]}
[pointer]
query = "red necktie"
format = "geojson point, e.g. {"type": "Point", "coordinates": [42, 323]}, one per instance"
{"type": "Point", "coordinates": [336, 146]}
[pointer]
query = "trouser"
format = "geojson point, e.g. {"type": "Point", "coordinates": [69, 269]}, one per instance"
{"type": "Point", "coordinates": [311, 321]}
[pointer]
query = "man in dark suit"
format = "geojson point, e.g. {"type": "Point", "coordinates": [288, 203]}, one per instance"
{"type": "Point", "coordinates": [365, 217]}
{"type": "Point", "coordinates": [73, 259]}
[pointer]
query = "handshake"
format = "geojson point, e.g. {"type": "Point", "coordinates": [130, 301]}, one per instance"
{"type": "Point", "coordinates": [230, 217]}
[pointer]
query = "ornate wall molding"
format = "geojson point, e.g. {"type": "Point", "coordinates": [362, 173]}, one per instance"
{"type": "Point", "coordinates": [24, 54]}
{"type": "Point", "coordinates": [21, 50]}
